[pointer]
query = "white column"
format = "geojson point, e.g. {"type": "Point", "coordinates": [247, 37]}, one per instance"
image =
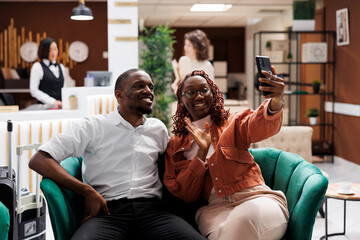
{"type": "Point", "coordinates": [123, 52]}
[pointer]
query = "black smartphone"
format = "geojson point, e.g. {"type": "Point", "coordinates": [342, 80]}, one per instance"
{"type": "Point", "coordinates": [263, 63]}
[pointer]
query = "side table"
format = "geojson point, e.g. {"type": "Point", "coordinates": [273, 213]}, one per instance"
{"type": "Point", "coordinates": [332, 192]}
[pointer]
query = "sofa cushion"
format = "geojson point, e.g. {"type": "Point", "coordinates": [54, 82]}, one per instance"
{"type": "Point", "coordinates": [294, 139]}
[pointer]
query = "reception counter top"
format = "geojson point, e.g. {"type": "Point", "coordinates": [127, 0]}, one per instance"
{"type": "Point", "coordinates": [43, 115]}
{"type": "Point", "coordinates": [82, 94]}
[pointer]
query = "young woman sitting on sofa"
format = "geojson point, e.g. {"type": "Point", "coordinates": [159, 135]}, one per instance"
{"type": "Point", "coordinates": [208, 157]}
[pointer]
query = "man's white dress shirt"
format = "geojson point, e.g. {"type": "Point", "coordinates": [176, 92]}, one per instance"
{"type": "Point", "coordinates": [119, 161]}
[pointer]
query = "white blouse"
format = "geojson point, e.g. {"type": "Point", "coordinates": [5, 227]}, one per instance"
{"type": "Point", "coordinates": [187, 65]}
{"type": "Point", "coordinates": [192, 151]}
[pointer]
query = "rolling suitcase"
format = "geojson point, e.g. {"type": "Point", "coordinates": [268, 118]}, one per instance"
{"type": "Point", "coordinates": [31, 209]}
{"type": "Point", "coordinates": [8, 189]}
{"type": "Point", "coordinates": [27, 210]}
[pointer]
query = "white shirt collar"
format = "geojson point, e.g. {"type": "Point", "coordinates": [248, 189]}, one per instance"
{"type": "Point", "coordinates": [47, 61]}
{"type": "Point", "coordinates": [116, 118]}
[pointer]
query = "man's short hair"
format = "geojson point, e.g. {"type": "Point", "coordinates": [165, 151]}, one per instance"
{"type": "Point", "coordinates": [120, 81]}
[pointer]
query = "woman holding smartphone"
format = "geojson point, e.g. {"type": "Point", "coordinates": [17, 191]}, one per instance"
{"type": "Point", "coordinates": [208, 157]}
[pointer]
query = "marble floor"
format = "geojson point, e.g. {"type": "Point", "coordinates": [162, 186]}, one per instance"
{"type": "Point", "coordinates": [339, 171]}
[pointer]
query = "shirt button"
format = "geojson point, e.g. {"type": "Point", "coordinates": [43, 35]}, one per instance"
{"type": "Point", "coordinates": [182, 148]}
{"type": "Point", "coordinates": [219, 191]}
{"type": "Point", "coordinates": [216, 179]}
{"type": "Point", "coordinates": [212, 164]}
{"type": "Point", "coordinates": [214, 138]}
{"type": "Point", "coordinates": [192, 141]}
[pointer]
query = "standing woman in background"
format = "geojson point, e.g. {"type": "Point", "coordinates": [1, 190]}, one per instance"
{"type": "Point", "coordinates": [196, 50]}
{"type": "Point", "coordinates": [47, 76]}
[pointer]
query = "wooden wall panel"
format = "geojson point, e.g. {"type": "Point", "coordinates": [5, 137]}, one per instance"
{"type": "Point", "coordinates": [54, 19]}
{"type": "Point", "coordinates": [347, 83]}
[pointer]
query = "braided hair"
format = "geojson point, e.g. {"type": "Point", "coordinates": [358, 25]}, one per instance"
{"type": "Point", "coordinates": [217, 112]}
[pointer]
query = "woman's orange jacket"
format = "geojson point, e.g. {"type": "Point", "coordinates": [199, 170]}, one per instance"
{"type": "Point", "coordinates": [231, 167]}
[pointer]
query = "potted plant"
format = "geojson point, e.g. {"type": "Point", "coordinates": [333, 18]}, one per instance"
{"type": "Point", "coordinates": [316, 85]}
{"type": "Point", "coordinates": [156, 60]}
{"type": "Point", "coordinates": [72, 102]}
{"type": "Point", "coordinates": [312, 114]}
{"type": "Point", "coordinates": [289, 57]}
{"type": "Point", "coordinates": [304, 15]}
{"type": "Point", "coordinates": [268, 45]}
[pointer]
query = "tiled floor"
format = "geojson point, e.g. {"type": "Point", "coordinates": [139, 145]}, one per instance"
{"type": "Point", "coordinates": [339, 171]}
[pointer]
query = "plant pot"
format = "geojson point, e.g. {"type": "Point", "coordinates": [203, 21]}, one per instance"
{"type": "Point", "coordinates": [316, 89]}
{"type": "Point", "coordinates": [303, 25]}
{"type": "Point", "coordinates": [313, 120]}
{"type": "Point", "coordinates": [73, 103]}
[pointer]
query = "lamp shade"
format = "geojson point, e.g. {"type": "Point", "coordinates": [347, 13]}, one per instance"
{"type": "Point", "coordinates": [81, 12]}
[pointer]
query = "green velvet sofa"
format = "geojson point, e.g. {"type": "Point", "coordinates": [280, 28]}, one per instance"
{"type": "Point", "coordinates": [303, 184]}
{"type": "Point", "coordinates": [4, 222]}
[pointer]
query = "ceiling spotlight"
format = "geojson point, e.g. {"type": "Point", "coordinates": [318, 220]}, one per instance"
{"type": "Point", "coordinates": [210, 7]}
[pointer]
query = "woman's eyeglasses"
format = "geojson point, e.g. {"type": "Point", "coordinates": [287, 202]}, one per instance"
{"type": "Point", "coordinates": [190, 94]}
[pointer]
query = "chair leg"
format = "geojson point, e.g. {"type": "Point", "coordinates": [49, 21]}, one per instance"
{"type": "Point", "coordinates": [321, 209]}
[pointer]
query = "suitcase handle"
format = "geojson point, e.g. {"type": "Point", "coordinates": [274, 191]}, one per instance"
{"type": "Point", "coordinates": [19, 151]}
{"type": "Point", "coordinates": [9, 126]}
{"type": "Point", "coordinates": [9, 129]}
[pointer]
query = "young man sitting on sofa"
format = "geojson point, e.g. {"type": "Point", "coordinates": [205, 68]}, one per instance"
{"type": "Point", "coordinates": [121, 186]}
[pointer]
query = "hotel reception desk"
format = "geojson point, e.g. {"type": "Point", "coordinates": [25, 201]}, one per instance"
{"type": "Point", "coordinates": [39, 126]}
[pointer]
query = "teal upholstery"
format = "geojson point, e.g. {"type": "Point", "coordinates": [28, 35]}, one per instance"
{"type": "Point", "coordinates": [65, 207]}
{"type": "Point", "coordinates": [4, 222]}
{"type": "Point", "coordinates": [302, 183]}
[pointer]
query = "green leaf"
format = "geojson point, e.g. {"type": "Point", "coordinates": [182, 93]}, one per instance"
{"type": "Point", "coordinates": [156, 60]}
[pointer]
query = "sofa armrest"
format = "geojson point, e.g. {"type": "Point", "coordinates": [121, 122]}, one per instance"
{"type": "Point", "coordinates": [62, 219]}
{"type": "Point", "coordinates": [65, 207]}
{"type": "Point", "coordinates": [4, 222]}
{"type": "Point", "coordinates": [303, 216]}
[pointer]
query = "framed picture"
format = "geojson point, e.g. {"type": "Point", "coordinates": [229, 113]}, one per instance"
{"type": "Point", "coordinates": [342, 27]}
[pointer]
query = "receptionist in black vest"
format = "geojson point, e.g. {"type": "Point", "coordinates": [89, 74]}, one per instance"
{"type": "Point", "coordinates": [47, 76]}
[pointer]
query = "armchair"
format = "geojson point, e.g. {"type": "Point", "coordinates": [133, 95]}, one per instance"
{"type": "Point", "coordinates": [303, 184]}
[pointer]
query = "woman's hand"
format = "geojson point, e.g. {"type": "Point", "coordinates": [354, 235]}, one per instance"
{"type": "Point", "coordinates": [201, 137]}
{"type": "Point", "coordinates": [276, 88]}
{"type": "Point", "coordinates": [58, 104]}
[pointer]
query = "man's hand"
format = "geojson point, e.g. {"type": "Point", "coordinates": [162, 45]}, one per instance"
{"type": "Point", "coordinates": [93, 203]}
{"type": "Point", "coordinates": [45, 165]}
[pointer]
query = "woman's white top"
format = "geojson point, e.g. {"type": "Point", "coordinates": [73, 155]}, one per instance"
{"type": "Point", "coordinates": [37, 73]}
{"type": "Point", "coordinates": [187, 65]}
{"type": "Point", "coordinates": [192, 151]}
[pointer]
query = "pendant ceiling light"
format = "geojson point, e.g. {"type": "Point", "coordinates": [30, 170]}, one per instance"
{"type": "Point", "coordinates": [82, 12]}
